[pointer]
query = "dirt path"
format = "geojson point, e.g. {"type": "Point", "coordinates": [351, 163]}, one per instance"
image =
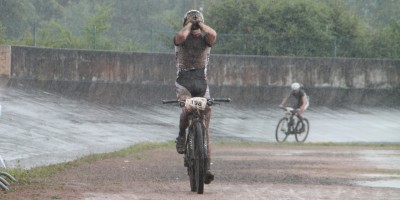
{"type": "Point", "coordinates": [243, 171]}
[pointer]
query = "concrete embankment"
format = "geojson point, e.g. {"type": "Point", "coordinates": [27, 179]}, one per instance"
{"type": "Point", "coordinates": [126, 78]}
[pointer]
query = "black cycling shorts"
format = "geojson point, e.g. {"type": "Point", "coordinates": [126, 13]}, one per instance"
{"type": "Point", "coordinates": [194, 81]}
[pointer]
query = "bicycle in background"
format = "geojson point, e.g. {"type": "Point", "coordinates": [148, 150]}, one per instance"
{"type": "Point", "coordinates": [291, 125]}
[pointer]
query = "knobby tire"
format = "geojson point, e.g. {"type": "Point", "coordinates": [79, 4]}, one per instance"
{"type": "Point", "coordinates": [279, 135]}
{"type": "Point", "coordinates": [190, 159]}
{"type": "Point", "coordinates": [199, 161]}
{"type": "Point", "coordinates": [301, 137]}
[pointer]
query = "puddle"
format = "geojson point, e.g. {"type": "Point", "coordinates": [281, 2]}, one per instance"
{"type": "Point", "coordinates": [392, 181]}
{"type": "Point", "coordinates": [382, 175]}
{"type": "Point", "coordinates": [386, 159]}
{"type": "Point", "coordinates": [381, 183]}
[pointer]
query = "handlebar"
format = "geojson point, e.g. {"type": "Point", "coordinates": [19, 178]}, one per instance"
{"type": "Point", "coordinates": [170, 101]}
{"type": "Point", "coordinates": [210, 102]}
{"type": "Point", "coordinates": [220, 99]}
{"type": "Point", "coordinates": [289, 109]}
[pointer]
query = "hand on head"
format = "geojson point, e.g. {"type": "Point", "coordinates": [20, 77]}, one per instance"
{"type": "Point", "coordinates": [194, 17]}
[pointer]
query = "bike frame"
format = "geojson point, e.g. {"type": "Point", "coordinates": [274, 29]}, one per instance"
{"type": "Point", "coordinates": [196, 139]}
{"type": "Point", "coordinates": [293, 121]}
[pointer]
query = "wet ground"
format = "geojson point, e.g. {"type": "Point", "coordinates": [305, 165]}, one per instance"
{"type": "Point", "coordinates": [41, 128]}
{"type": "Point", "coordinates": [242, 171]}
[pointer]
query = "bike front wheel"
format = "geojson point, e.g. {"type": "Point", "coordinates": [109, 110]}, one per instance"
{"type": "Point", "coordinates": [189, 159]}
{"type": "Point", "coordinates": [281, 132]}
{"type": "Point", "coordinates": [199, 158]}
{"type": "Point", "coordinates": [302, 136]}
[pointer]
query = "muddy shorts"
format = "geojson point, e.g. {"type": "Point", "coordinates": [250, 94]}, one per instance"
{"type": "Point", "coordinates": [192, 83]}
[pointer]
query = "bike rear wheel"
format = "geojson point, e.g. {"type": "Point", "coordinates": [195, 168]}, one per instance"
{"type": "Point", "coordinates": [199, 158]}
{"type": "Point", "coordinates": [302, 136]}
{"type": "Point", "coordinates": [282, 129]}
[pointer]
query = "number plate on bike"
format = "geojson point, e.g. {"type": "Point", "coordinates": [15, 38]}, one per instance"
{"type": "Point", "coordinates": [196, 102]}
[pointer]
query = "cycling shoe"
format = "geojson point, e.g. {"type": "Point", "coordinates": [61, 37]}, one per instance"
{"type": "Point", "coordinates": [209, 177]}
{"type": "Point", "coordinates": [180, 145]}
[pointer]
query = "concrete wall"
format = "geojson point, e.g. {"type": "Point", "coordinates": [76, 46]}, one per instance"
{"type": "Point", "coordinates": [126, 77]}
{"type": "Point", "coordinates": [5, 61]}
{"type": "Point", "coordinates": [312, 72]}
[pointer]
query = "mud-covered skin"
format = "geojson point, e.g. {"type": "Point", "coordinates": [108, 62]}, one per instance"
{"type": "Point", "coordinates": [194, 53]}
{"type": "Point", "coordinates": [245, 171]}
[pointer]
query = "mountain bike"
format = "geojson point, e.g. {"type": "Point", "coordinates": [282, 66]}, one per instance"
{"type": "Point", "coordinates": [291, 125]}
{"type": "Point", "coordinates": [196, 142]}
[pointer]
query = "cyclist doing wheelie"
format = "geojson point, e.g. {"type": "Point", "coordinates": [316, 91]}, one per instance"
{"type": "Point", "coordinates": [192, 50]}
{"type": "Point", "coordinates": [302, 101]}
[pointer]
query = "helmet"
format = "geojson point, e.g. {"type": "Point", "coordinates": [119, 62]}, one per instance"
{"type": "Point", "coordinates": [191, 13]}
{"type": "Point", "coordinates": [295, 86]}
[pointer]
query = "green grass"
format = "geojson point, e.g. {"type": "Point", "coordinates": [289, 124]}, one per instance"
{"type": "Point", "coordinates": [25, 176]}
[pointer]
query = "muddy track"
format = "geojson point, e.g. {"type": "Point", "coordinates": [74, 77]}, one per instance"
{"type": "Point", "coordinates": [243, 171]}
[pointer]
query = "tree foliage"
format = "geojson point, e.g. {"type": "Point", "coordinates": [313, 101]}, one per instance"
{"type": "Point", "coordinates": [318, 28]}
{"type": "Point", "coordinates": [296, 27]}
{"type": "Point", "coordinates": [55, 36]}
{"type": "Point", "coordinates": [376, 13]}
{"type": "Point", "coordinates": [96, 26]}
{"type": "Point", "coordinates": [385, 43]}
{"type": "Point", "coordinates": [16, 16]}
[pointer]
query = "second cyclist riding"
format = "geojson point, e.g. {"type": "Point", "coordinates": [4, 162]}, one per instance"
{"type": "Point", "coordinates": [291, 124]}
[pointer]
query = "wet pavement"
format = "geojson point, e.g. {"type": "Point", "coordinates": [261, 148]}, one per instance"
{"type": "Point", "coordinates": [41, 128]}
